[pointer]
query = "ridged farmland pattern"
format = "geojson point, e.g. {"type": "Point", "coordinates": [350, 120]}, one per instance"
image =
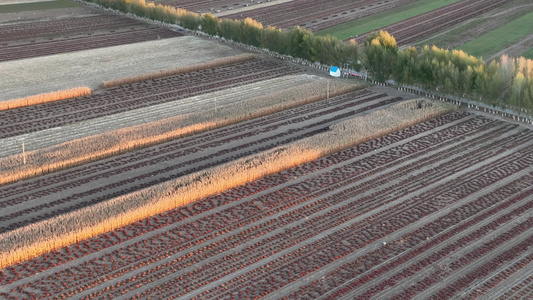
{"type": "Point", "coordinates": [138, 95]}
{"type": "Point", "coordinates": [26, 40]}
{"type": "Point", "coordinates": [442, 209]}
{"type": "Point", "coordinates": [426, 211]}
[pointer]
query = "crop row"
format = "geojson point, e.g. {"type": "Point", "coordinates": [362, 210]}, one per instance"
{"type": "Point", "coordinates": [362, 11]}
{"type": "Point", "coordinates": [284, 218]}
{"type": "Point", "coordinates": [70, 44]}
{"type": "Point", "coordinates": [308, 257]}
{"type": "Point", "coordinates": [414, 245]}
{"type": "Point", "coordinates": [296, 12]}
{"type": "Point", "coordinates": [234, 143]}
{"type": "Point", "coordinates": [163, 113]}
{"type": "Point", "coordinates": [247, 190]}
{"type": "Point", "coordinates": [197, 142]}
{"type": "Point", "coordinates": [415, 28]}
{"type": "Point", "coordinates": [134, 96]}
{"type": "Point", "coordinates": [61, 27]}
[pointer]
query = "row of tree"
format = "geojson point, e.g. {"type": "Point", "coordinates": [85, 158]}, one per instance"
{"type": "Point", "coordinates": [507, 81]}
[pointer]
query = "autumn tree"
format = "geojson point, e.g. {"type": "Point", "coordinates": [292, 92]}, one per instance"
{"type": "Point", "coordinates": [209, 24]}
{"type": "Point", "coordinates": [380, 55]}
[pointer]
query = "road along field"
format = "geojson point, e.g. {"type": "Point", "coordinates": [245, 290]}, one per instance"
{"type": "Point", "coordinates": [439, 210]}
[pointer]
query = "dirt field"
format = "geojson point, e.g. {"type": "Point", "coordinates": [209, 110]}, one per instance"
{"type": "Point", "coordinates": [442, 209]}
{"type": "Point", "coordinates": [89, 68]}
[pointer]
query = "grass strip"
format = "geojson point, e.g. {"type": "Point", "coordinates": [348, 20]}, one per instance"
{"type": "Point", "coordinates": [45, 5]}
{"type": "Point", "coordinates": [499, 38]}
{"type": "Point", "coordinates": [528, 54]}
{"type": "Point", "coordinates": [41, 237]}
{"type": "Point", "coordinates": [179, 70]}
{"type": "Point", "coordinates": [46, 97]}
{"type": "Point", "coordinates": [92, 148]}
{"type": "Point", "coordinates": [363, 25]}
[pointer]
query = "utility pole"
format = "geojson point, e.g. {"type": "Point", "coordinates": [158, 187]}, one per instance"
{"type": "Point", "coordinates": [215, 105]}
{"type": "Point", "coordinates": [23, 154]}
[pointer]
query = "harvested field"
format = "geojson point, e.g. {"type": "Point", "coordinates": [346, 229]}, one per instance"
{"type": "Point", "coordinates": [441, 209]}
{"type": "Point", "coordinates": [315, 15]}
{"type": "Point", "coordinates": [197, 104]}
{"type": "Point", "coordinates": [22, 40]}
{"type": "Point", "coordinates": [384, 18]}
{"type": "Point", "coordinates": [408, 31]}
{"type": "Point", "coordinates": [138, 95]}
{"type": "Point", "coordinates": [36, 199]}
{"type": "Point", "coordinates": [90, 68]}
{"type": "Point", "coordinates": [113, 142]}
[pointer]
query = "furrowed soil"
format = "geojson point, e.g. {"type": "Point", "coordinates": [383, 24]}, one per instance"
{"type": "Point", "coordinates": [89, 68]}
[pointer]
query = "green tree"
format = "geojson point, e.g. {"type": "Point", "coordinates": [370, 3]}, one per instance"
{"type": "Point", "coordinates": [209, 24]}
{"type": "Point", "coordinates": [299, 42]}
{"type": "Point", "coordinates": [348, 53]}
{"type": "Point", "coordinates": [274, 39]}
{"type": "Point", "coordinates": [405, 66]}
{"type": "Point", "coordinates": [251, 32]}
{"type": "Point", "coordinates": [380, 55]}
{"type": "Point", "coordinates": [190, 20]}
{"type": "Point", "coordinates": [229, 29]}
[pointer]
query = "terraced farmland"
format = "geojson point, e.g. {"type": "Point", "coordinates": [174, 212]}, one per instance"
{"type": "Point", "coordinates": [441, 209]}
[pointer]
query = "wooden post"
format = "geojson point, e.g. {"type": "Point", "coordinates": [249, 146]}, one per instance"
{"type": "Point", "coordinates": [327, 93]}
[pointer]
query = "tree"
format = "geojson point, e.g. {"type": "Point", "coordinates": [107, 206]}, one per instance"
{"type": "Point", "coordinates": [405, 66]}
{"type": "Point", "coordinates": [251, 32]}
{"type": "Point", "coordinates": [380, 55]}
{"type": "Point", "coordinates": [518, 90]}
{"type": "Point", "coordinates": [348, 54]}
{"type": "Point", "coordinates": [190, 20]}
{"type": "Point", "coordinates": [299, 42]}
{"type": "Point", "coordinates": [209, 24]}
{"type": "Point", "coordinates": [274, 39]}
{"type": "Point", "coordinates": [229, 29]}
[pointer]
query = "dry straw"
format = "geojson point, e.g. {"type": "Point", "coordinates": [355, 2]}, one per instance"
{"type": "Point", "coordinates": [30, 241]}
{"type": "Point", "coordinates": [79, 151]}
{"type": "Point", "coordinates": [179, 70]}
{"type": "Point", "coordinates": [46, 97]}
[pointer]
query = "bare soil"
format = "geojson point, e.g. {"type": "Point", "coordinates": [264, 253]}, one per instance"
{"type": "Point", "coordinates": [90, 68]}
